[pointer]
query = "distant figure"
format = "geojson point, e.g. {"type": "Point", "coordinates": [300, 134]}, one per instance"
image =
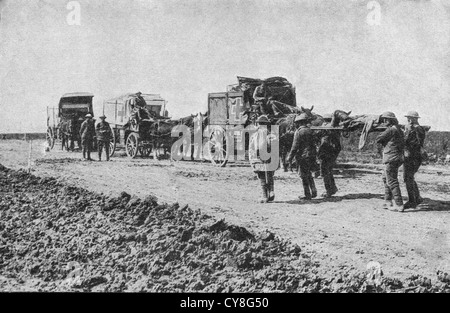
{"type": "Point", "coordinates": [104, 136]}
{"type": "Point", "coordinates": [393, 143]}
{"type": "Point", "coordinates": [261, 103]}
{"type": "Point", "coordinates": [87, 132]}
{"type": "Point", "coordinates": [260, 140]}
{"type": "Point", "coordinates": [414, 139]}
{"type": "Point", "coordinates": [329, 148]}
{"type": "Point", "coordinates": [304, 149]}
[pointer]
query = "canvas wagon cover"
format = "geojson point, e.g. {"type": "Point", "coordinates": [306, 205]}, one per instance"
{"type": "Point", "coordinates": [278, 88]}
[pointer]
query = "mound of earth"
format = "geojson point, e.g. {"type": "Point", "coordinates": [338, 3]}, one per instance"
{"type": "Point", "coordinates": [56, 237]}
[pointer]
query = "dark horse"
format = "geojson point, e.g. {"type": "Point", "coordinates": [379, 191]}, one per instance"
{"type": "Point", "coordinates": [287, 129]}
{"type": "Point", "coordinates": [162, 131]}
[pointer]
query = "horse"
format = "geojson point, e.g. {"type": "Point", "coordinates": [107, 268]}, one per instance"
{"type": "Point", "coordinates": [161, 132]}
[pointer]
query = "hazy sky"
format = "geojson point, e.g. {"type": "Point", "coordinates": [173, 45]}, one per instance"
{"type": "Point", "coordinates": [185, 49]}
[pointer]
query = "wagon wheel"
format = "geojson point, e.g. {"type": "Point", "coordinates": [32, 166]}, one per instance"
{"type": "Point", "coordinates": [50, 138]}
{"type": "Point", "coordinates": [112, 143]}
{"type": "Point", "coordinates": [132, 145]}
{"type": "Point", "coordinates": [218, 149]}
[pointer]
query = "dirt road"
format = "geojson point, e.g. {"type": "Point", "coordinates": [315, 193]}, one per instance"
{"type": "Point", "coordinates": [345, 232]}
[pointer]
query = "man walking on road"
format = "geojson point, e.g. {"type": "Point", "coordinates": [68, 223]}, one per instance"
{"type": "Point", "coordinates": [304, 149]}
{"type": "Point", "coordinates": [87, 132]}
{"type": "Point", "coordinates": [393, 143]}
{"type": "Point", "coordinates": [414, 139]}
{"type": "Point", "coordinates": [329, 148]}
{"type": "Point", "coordinates": [263, 140]}
{"type": "Point", "coordinates": [104, 135]}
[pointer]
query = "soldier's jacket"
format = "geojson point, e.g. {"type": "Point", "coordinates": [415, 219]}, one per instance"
{"type": "Point", "coordinates": [103, 131]}
{"type": "Point", "coordinates": [87, 129]}
{"type": "Point", "coordinates": [392, 139]}
{"type": "Point", "coordinates": [260, 140]}
{"type": "Point", "coordinates": [414, 139]}
{"type": "Point", "coordinates": [329, 145]}
{"type": "Point", "coordinates": [303, 146]}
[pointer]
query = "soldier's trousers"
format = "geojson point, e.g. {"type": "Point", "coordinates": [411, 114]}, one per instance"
{"type": "Point", "coordinates": [410, 168]}
{"type": "Point", "coordinates": [266, 180]}
{"type": "Point", "coordinates": [86, 144]}
{"type": "Point", "coordinates": [326, 169]}
{"type": "Point", "coordinates": [103, 144]}
{"type": "Point", "coordinates": [309, 187]}
{"type": "Point", "coordinates": [391, 184]}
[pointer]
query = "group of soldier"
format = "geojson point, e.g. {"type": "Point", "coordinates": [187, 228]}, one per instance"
{"type": "Point", "coordinates": [90, 132]}
{"type": "Point", "coordinates": [399, 148]}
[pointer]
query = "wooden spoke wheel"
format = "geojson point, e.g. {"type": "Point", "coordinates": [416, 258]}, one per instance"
{"type": "Point", "coordinates": [50, 138]}
{"type": "Point", "coordinates": [132, 145]}
{"type": "Point", "coordinates": [217, 149]}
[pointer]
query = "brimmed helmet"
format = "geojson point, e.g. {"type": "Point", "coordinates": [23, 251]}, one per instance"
{"type": "Point", "coordinates": [388, 114]}
{"type": "Point", "coordinates": [412, 114]}
{"type": "Point", "coordinates": [327, 116]}
{"type": "Point", "coordinates": [88, 115]}
{"type": "Point", "coordinates": [103, 116]}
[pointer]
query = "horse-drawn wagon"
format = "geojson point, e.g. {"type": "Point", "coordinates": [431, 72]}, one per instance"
{"type": "Point", "coordinates": [231, 112]}
{"type": "Point", "coordinates": [131, 118]}
{"type": "Point", "coordinates": [63, 122]}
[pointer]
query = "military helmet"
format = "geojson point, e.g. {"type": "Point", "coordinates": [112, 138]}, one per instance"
{"type": "Point", "coordinates": [412, 114]}
{"type": "Point", "coordinates": [327, 116]}
{"type": "Point", "coordinates": [301, 117]}
{"type": "Point", "coordinates": [88, 115]}
{"type": "Point", "coordinates": [103, 116]}
{"type": "Point", "coordinates": [388, 114]}
{"type": "Point", "coordinates": [262, 119]}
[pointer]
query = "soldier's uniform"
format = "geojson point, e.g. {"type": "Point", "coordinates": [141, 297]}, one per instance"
{"type": "Point", "coordinates": [104, 136]}
{"type": "Point", "coordinates": [392, 140]}
{"type": "Point", "coordinates": [414, 139]}
{"type": "Point", "coordinates": [328, 151]}
{"type": "Point", "coordinates": [260, 140]}
{"type": "Point", "coordinates": [259, 95]}
{"type": "Point", "coordinates": [304, 149]}
{"type": "Point", "coordinates": [87, 133]}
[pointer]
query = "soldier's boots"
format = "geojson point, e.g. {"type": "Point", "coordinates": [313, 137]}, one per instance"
{"type": "Point", "coordinates": [265, 194]}
{"type": "Point", "coordinates": [271, 195]}
{"type": "Point", "coordinates": [313, 188]}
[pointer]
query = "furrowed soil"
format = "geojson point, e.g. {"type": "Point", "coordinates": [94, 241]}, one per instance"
{"type": "Point", "coordinates": [144, 224]}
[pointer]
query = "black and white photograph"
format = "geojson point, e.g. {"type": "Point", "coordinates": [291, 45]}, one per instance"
{"type": "Point", "coordinates": [224, 150]}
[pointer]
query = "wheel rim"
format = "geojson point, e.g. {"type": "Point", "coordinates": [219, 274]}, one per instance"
{"type": "Point", "coordinates": [132, 145]}
{"type": "Point", "coordinates": [217, 149]}
{"type": "Point", "coordinates": [112, 143]}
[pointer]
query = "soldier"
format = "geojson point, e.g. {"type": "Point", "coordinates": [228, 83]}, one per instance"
{"type": "Point", "coordinates": [392, 140]}
{"type": "Point", "coordinates": [414, 139]}
{"type": "Point", "coordinates": [262, 139]}
{"type": "Point", "coordinates": [304, 149]}
{"type": "Point", "coordinates": [87, 132]}
{"type": "Point", "coordinates": [329, 148]}
{"type": "Point", "coordinates": [104, 135]}
{"type": "Point", "coordinates": [260, 97]}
